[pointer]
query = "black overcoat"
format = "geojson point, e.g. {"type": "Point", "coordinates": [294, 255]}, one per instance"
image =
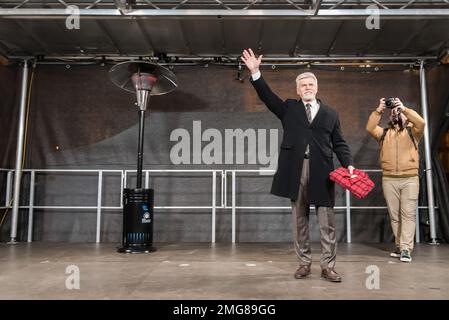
{"type": "Point", "coordinates": [324, 138]}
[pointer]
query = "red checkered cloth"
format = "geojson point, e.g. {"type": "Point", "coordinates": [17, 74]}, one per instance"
{"type": "Point", "coordinates": [360, 185]}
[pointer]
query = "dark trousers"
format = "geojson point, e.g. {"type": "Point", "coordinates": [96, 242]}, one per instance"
{"type": "Point", "coordinates": [326, 220]}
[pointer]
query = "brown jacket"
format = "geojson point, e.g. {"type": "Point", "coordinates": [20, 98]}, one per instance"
{"type": "Point", "coordinates": [398, 155]}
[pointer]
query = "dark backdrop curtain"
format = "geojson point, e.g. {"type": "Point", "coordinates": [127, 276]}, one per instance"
{"type": "Point", "coordinates": [78, 119]}
{"type": "Point", "coordinates": [438, 89]}
{"type": "Point", "coordinates": [440, 181]}
{"type": "Point", "coordinates": [10, 79]}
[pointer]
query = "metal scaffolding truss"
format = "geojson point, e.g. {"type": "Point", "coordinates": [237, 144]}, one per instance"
{"type": "Point", "coordinates": [195, 29]}
{"type": "Point", "coordinates": [226, 8]}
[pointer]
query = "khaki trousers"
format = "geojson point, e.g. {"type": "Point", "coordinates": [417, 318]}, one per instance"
{"type": "Point", "coordinates": [326, 220]}
{"type": "Point", "coordinates": [401, 195]}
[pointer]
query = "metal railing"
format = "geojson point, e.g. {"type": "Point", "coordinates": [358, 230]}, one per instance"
{"type": "Point", "coordinates": [213, 205]}
{"type": "Point", "coordinates": [99, 207]}
{"type": "Point", "coordinates": [347, 206]}
{"type": "Point", "coordinates": [223, 204]}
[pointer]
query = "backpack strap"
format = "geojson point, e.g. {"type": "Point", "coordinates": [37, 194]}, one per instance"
{"type": "Point", "coordinates": [409, 130]}
{"type": "Point", "coordinates": [382, 137]}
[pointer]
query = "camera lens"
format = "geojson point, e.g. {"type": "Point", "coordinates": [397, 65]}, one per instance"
{"type": "Point", "coordinates": [389, 103]}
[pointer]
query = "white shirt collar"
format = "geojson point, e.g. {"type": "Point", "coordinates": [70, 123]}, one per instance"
{"type": "Point", "coordinates": [312, 103]}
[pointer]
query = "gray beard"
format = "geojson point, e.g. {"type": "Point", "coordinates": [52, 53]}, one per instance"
{"type": "Point", "coordinates": [309, 98]}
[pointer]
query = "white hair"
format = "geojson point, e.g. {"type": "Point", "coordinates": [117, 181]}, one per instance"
{"type": "Point", "coordinates": [305, 75]}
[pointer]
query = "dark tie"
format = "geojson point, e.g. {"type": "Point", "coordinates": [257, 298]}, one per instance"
{"type": "Point", "coordinates": [309, 112]}
{"type": "Point", "coordinates": [309, 117]}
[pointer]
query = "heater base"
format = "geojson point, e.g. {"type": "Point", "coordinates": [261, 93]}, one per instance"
{"type": "Point", "coordinates": [136, 249]}
{"type": "Point", "coordinates": [137, 234]}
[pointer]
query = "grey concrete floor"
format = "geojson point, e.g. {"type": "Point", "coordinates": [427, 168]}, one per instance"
{"type": "Point", "coordinates": [222, 271]}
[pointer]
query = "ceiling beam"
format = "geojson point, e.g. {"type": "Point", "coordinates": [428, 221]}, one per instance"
{"type": "Point", "coordinates": [334, 39]}
{"type": "Point", "coordinates": [185, 37]}
{"type": "Point", "coordinates": [223, 13]}
{"type": "Point", "coordinates": [370, 44]}
{"type": "Point", "coordinates": [296, 46]}
{"type": "Point", "coordinates": [146, 36]}
{"type": "Point", "coordinates": [270, 59]}
{"type": "Point", "coordinates": [106, 30]}
{"type": "Point", "coordinates": [413, 37]}
{"type": "Point", "coordinates": [316, 7]}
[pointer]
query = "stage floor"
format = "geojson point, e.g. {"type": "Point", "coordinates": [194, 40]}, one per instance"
{"type": "Point", "coordinates": [221, 271]}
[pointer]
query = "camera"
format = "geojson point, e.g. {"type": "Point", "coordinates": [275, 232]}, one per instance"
{"type": "Point", "coordinates": [389, 103]}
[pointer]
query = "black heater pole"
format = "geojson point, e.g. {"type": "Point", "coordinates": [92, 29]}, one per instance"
{"type": "Point", "coordinates": [138, 206]}
{"type": "Point", "coordinates": [140, 148]}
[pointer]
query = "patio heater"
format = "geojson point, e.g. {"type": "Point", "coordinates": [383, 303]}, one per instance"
{"type": "Point", "coordinates": [144, 79]}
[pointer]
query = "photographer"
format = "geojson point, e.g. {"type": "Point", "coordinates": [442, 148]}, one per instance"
{"type": "Point", "coordinates": [400, 163]}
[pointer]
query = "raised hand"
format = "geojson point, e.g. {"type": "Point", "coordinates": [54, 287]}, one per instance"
{"type": "Point", "coordinates": [382, 106]}
{"type": "Point", "coordinates": [398, 104]}
{"type": "Point", "coordinates": [250, 60]}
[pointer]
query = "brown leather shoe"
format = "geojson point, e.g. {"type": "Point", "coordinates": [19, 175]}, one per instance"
{"type": "Point", "coordinates": [330, 275]}
{"type": "Point", "coordinates": [302, 272]}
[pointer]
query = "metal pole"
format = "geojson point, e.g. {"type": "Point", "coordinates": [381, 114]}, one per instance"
{"type": "Point", "coordinates": [31, 208]}
{"type": "Point", "coordinates": [222, 188]}
{"type": "Point", "coordinates": [214, 200]}
{"type": "Point", "coordinates": [122, 185]}
{"type": "Point", "coordinates": [56, 59]}
{"type": "Point", "coordinates": [233, 206]}
{"type": "Point", "coordinates": [19, 153]}
{"type": "Point", "coordinates": [147, 179]}
{"type": "Point", "coordinates": [8, 189]}
{"type": "Point", "coordinates": [348, 217]}
{"type": "Point", "coordinates": [100, 191]}
{"type": "Point", "coordinates": [140, 149]}
{"type": "Point", "coordinates": [429, 178]}
{"type": "Point", "coordinates": [417, 235]}
{"type": "Point", "coordinates": [225, 189]}
{"type": "Point", "coordinates": [108, 13]}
